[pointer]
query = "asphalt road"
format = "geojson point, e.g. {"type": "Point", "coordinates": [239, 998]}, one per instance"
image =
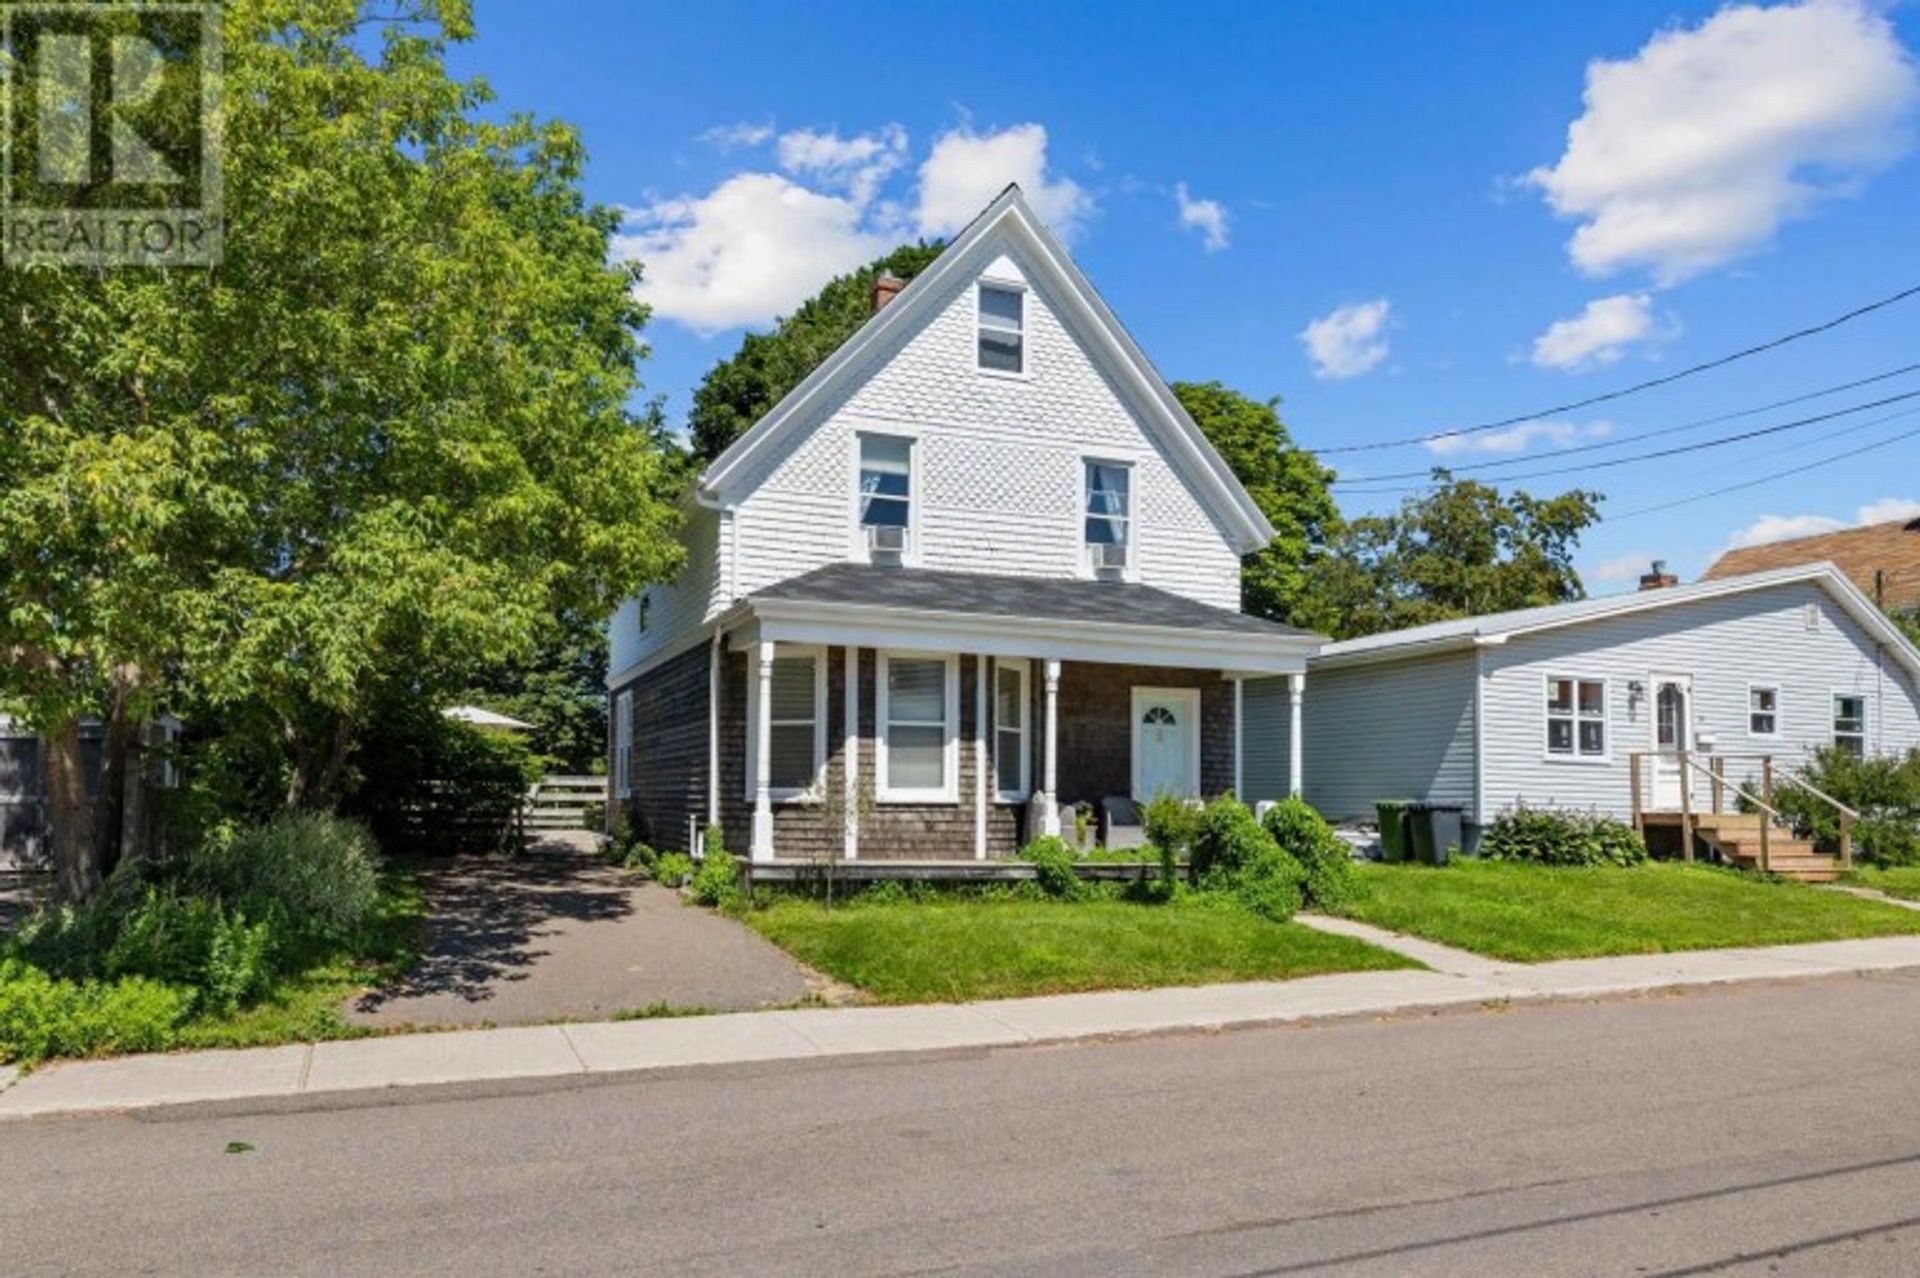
{"type": "Point", "coordinates": [1765, 1130]}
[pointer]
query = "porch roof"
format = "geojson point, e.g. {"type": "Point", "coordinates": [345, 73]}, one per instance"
{"type": "Point", "coordinates": [1062, 618]}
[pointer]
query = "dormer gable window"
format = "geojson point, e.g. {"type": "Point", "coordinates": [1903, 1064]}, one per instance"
{"type": "Point", "coordinates": [1002, 329]}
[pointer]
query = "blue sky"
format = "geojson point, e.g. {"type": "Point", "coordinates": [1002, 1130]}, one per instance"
{"type": "Point", "coordinates": [1397, 182]}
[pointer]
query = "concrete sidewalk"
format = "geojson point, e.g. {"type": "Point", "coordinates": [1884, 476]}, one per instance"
{"type": "Point", "coordinates": [633, 1047]}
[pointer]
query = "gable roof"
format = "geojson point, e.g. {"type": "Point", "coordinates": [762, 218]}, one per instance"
{"type": "Point", "coordinates": [1892, 548]}
{"type": "Point", "coordinates": [1009, 214]}
{"type": "Point", "coordinates": [1494, 628]}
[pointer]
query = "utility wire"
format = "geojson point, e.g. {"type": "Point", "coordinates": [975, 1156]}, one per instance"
{"type": "Point", "coordinates": [1623, 440]}
{"type": "Point", "coordinates": [1721, 442]}
{"type": "Point", "coordinates": [1768, 479]}
{"type": "Point", "coordinates": [1637, 387]}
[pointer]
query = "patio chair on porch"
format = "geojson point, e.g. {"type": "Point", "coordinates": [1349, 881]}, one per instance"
{"type": "Point", "coordinates": [1122, 824]}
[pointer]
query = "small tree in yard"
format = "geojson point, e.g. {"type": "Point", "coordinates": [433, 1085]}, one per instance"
{"type": "Point", "coordinates": [379, 444]}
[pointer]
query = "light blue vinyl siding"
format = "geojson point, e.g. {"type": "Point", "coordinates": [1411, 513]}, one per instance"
{"type": "Point", "coordinates": [1725, 645]}
{"type": "Point", "coordinates": [1398, 730]}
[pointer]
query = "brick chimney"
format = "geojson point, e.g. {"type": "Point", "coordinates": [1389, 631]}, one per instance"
{"type": "Point", "coordinates": [885, 289]}
{"type": "Point", "coordinates": [1659, 578]}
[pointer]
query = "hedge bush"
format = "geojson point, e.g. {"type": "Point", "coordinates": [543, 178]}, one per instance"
{"type": "Point", "coordinates": [318, 874]}
{"type": "Point", "coordinates": [1326, 861]}
{"type": "Point", "coordinates": [42, 1016]}
{"type": "Point", "coordinates": [1234, 854]}
{"type": "Point", "coordinates": [1053, 860]}
{"type": "Point", "coordinates": [1554, 836]}
{"type": "Point", "coordinates": [1884, 789]}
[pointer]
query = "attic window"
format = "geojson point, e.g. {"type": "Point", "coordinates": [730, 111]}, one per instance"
{"type": "Point", "coordinates": [1002, 329]}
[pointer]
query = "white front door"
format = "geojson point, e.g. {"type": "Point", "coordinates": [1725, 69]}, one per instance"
{"type": "Point", "coordinates": [1672, 733]}
{"type": "Point", "coordinates": [1166, 743]}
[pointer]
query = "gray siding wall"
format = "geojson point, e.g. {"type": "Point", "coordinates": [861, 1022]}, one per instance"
{"type": "Point", "coordinates": [1393, 731]}
{"type": "Point", "coordinates": [1725, 644]}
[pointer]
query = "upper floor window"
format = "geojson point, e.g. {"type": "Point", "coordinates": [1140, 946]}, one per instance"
{"type": "Point", "coordinates": [646, 611]}
{"type": "Point", "coordinates": [886, 489]}
{"type": "Point", "coordinates": [1002, 329]}
{"type": "Point", "coordinates": [1109, 526]}
{"type": "Point", "coordinates": [1577, 718]}
{"type": "Point", "coordinates": [1850, 723]}
{"type": "Point", "coordinates": [1763, 711]}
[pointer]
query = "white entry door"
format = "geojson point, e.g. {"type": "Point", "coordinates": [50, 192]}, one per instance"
{"type": "Point", "coordinates": [1672, 733]}
{"type": "Point", "coordinates": [1166, 743]}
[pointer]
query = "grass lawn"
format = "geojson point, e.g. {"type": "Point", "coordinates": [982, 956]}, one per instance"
{"type": "Point", "coordinates": [1527, 913]}
{"type": "Point", "coordinates": [1901, 881]}
{"type": "Point", "coordinates": [957, 950]}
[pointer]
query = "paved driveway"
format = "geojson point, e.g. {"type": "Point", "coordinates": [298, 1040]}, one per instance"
{"type": "Point", "coordinates": [557, 933]}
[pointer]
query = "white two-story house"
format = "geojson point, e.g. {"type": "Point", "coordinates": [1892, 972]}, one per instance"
{"type": "Point", "coordinates": [977, 568]}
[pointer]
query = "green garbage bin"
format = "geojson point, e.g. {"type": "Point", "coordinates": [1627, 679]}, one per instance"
{"type": "Point", "coordinates": [1393, 828]}
{"type": "Point", "coordinates": [1435, 831]}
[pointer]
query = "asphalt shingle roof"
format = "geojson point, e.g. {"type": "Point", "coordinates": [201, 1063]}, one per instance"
{"type": "Point", "coordinates": [1055, 599]}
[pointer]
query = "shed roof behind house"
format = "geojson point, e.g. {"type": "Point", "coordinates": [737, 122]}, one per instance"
{"type": "Point", "coordinates": [1883, 560]}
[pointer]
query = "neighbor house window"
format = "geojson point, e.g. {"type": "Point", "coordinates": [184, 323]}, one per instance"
{"type": "Point", "coordinates": [1109, 510]}
{"type": "Point", "coordinates": [797, 742]}
{"type": "Point", "coordinates": [1010, 711]}
{"type": "Point", "coordinates": [886, 489]}
{"type": "Point", "coordinates": [917, 697]}
{"type": "Point", "coordinates": [1850, 722]}
{"type": "Point", "coordinates": [1002, 329]}
{"type": "Point", "coordinates": [623, 744]}
{"type": "Point", "coordinates": [1577, 718]}
{"type": "Point", "coordinates": [646, 612]}
{"type": "Point", "coordinates": [1763, 711]}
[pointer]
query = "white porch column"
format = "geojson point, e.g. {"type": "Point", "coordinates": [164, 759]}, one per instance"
{"type": "Point", "coordinates": [1239, 737]}
{"type": "Point", "coordinates": [850, 752]}
{"type": "Point", "coordinates": [981, 779]}
{"type": "Point", "coordinates": [1050, 809]}
{"type": "Point", "coordinates": [762, 849]}
{"type": "Point", "coordinates": [1296, 690]}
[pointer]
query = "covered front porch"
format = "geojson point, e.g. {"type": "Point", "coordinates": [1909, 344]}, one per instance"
{"type": "Point", "coordinates": [867, 713]}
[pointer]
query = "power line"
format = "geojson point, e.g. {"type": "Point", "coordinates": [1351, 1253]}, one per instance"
{"type": "Point", "coordinates": [1637, 387]}
{"type": "Point", "coordinates": [1623, 440]}
{"type": "Point", "coordinates": [1659, 453]}
{"type": "Point", "coordinates": [1777, 475]}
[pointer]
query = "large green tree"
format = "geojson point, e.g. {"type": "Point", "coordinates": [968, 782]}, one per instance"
{"type": "Point", "coordinates": [1289, 486]}
{"type": "Point", "coordinates": [739, 389]}
{"type": "Point", "coordinates": [1459, 550]}
{"type": "Point", "coordinates": [383, 441]}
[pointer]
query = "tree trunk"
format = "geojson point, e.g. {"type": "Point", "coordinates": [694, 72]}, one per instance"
{"type": "Point", "coordinates": [318, 765]}
{"type": "Point", "coordinates": [119, 831]}
{"type": "Point", "coordinates": [76, 861]}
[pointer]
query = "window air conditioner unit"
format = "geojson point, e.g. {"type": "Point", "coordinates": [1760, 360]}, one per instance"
{"type": "Point", "coordinates": [886, 539]}
{"type": "Point", "coordinates": [1109, 558]}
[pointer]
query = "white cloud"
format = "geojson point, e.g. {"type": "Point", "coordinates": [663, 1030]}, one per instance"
{"type": "Point", "coordinates": [966, 170]}
{"type": "Point", "coordinates": [1600, 334]}
{"type": "Point", "coordinates": [1627, 567]}
{"type": "Point", "coordinates": [1209, 217]}
{"type": "Point", "coordinates": [1693, 151]}
{"type": "Point", "coordinates": [1772, 528]}
{"type": "Point", "coordinates": [753, 248]}
{"type": "Point", "coordinates": [729, 136]}
{"type": "Point", "coordinates": [1348, 341]}
{"type": "Point", "coordinates": [856, 165]}
{"type": "Point", "coordinates": [1888, 509]}
{"type": "Point", "coordinates": [1519, 438]}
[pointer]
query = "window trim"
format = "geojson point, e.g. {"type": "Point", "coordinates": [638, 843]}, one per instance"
{"type": "Point", "coordinates": [1778, 729]}
{"type": "Point", "coordinates": [787, 794]}
{"type": "Point", "coordinates": [1024, 668]}
{"type": "Point", "coordinates": [1866, 717]}
{"type": "Point", "coordinates": [1547, 716]}
{"type": "Point", "coordinates": [623, 744]}
{"type": "Point", "coordinates": [644, 619]}
{"type": "Point", "coordinates": [1020, 288]}
{"type": "Point", "coordinates": [949, 790]}
{"type": "Point", "coordinates": [856, 530]}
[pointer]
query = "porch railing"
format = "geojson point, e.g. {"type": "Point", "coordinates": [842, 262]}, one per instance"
{"type": "Point", "coordinates": [1715, 770]}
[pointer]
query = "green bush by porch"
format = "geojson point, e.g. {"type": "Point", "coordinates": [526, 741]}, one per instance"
{"type": "Point", "coordinates": [1529, 913]}
{"type": "Point", "coordinates": [967, 948]}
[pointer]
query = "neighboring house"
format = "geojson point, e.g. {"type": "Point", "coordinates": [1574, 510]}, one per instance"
{"type": "Point", "coordinates": [979, 565]}
{"type": "Point", "coordinates": [1883, 560]}
{"type": "Point", "coordinates": [1548, 706]}
{"type": "Point", "coordinates": [23, 786]}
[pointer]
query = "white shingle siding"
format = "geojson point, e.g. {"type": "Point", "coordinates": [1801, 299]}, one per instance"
{"type": "Point", "coordinates": [679, 609]}
{"type": "Point", "coordinates": [1402, 730]}
{"type": "Point", "coordinates": [1725, 644]}
{"type": "Point", "coordinates": [998, 467]}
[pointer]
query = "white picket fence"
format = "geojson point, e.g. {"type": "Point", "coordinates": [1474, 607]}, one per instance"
{"type": "Point", "coordinates": [565, 803]}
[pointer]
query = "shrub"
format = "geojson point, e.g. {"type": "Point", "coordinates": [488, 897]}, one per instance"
{"type": "Point", "coordinates": [41, 1016]}
{"type": "Point", "coordinates": [1053, 861]}
{"type": "Point", "coordinates": [320, 873]}
{"type": "Point", "coordinates": [673, 869]}
{"type": "Point", "coordinates": [1304, 834]}
{"type": "Point", "coordinates": [1884, 789]}
{"type": "Point", "coordinates": [1171, 824]}
{"type": "Point", "coordinates": [717, 880]}
{"type": "Point", "coordinates": [1235, 855]}
{"type": "Point", "coordinates": [1553, 836]}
